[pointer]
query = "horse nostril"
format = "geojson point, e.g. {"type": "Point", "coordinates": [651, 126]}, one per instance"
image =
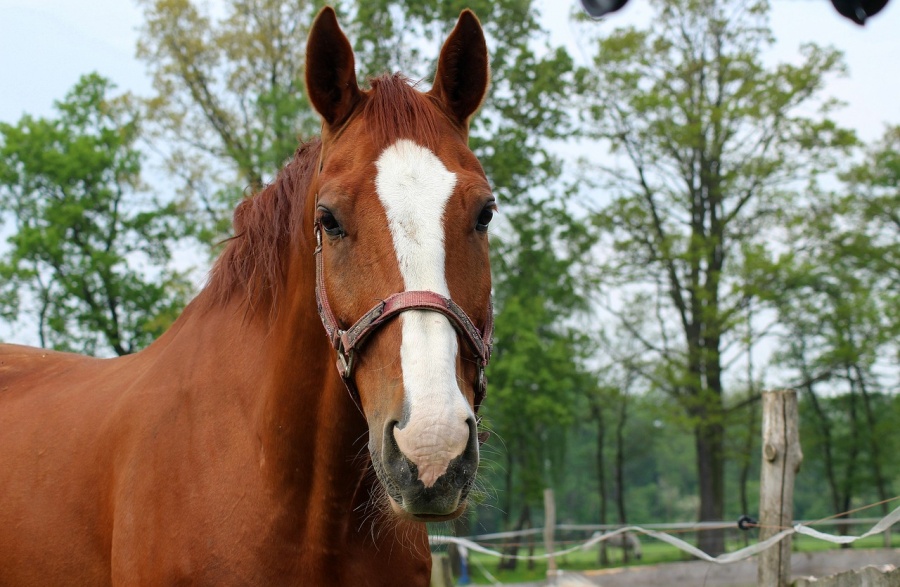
{"type": "Point", "coordinates": [389, 442]}
{"type": "Point", "coordinates": [401, 469]}
{"type": "Point", "coordinates": [473, 443]}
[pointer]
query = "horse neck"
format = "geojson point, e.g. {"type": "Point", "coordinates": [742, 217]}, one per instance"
{"type": "Point", "coordinates": [277, 364]}
{"type": "Point", "coordinates": [304, 413]}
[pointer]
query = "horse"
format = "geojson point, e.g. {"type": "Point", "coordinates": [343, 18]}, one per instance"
{"type": "Point", "coordinates": [231, 450]}
{"type": "Point", "coordinates": [627, 541]}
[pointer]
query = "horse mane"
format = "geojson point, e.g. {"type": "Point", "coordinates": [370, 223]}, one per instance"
{"type": "Point", "coordinates": [254, 259]}
{"type": "Point", "coordinates": [264, 224]}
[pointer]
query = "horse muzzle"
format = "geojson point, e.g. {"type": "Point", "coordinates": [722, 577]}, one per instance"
{"type": "Point", "coordinates": [420, 494]}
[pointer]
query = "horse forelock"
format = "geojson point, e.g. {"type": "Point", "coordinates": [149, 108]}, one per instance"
{"type": "Point", "coordinates": [254, 259]}
{"type": "Point", "coordinates": [394, 110]}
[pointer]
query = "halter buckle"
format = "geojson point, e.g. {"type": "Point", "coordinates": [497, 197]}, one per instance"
{"type": "Point", "coordinates": [345, 361]}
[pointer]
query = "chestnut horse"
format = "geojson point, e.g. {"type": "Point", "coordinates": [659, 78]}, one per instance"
{"type": "Point", "coordinates": [229, 452]}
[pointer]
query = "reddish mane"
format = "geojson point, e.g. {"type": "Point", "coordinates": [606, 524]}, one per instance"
{"type": "Point", "coordinates": [253, 259]}
{"type": "Point", "coordinates": [265, 223]}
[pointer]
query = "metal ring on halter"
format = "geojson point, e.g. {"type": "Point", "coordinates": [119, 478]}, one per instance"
{"type": "Point", "coordinates": [345, 362]}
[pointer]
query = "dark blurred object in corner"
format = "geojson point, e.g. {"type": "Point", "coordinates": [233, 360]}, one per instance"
{"type": "Point", "coordinates": [856, 10]}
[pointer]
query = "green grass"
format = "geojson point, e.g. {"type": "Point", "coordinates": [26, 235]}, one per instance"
{"type": "Point", "coordinates": [654, 552]}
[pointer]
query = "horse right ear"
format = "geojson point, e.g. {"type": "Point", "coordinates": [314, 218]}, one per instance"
{"type": "Point", "coordinates": [330, 69]}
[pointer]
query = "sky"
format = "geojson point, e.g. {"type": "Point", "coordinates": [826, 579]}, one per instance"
{"type": "Point", "coordinates": [45, 45]}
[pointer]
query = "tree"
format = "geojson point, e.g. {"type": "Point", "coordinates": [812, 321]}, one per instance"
{"type": "Point", "coordinates": [229, 101]}
{"type": "Point", "coordinates": [709, 144]}
{"type": "Point", "coordinates": [871, 208]}
{"type": "Point", "coordinates": [90, 251]}
{"type": "Point", "coordinates": [538, 373]}
{"type": "Point", "coordinates": [836, 295]}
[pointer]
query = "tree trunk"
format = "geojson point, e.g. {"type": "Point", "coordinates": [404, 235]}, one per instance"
{"type": "Point", "coordinates": [874, 449]}
{"type": "Point", "coordinates": [825, 430]}
{"type": "Point", "coordinates": [620, 466]}
{"type": "Point", "coordinates": [597, 412]}
{"type": "Point", "coordinates": [508, 494]}
{"type": "Point", "coordinates": [709, 437]}
{"type": "Point", "coordinates": [511, 549]}
{"type": "Point", "coordinates": [849, 482]}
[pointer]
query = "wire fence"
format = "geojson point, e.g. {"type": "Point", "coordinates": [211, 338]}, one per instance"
{"type": "Point", "coordinates": [607, 532]}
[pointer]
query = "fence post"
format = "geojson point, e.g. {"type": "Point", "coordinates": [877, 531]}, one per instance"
{"type": "Point", "coordinates": [441, 575]}
{"type": "Point", "coordinates": [781, 460]}
{"type": "Point", "coordinates": [549, 529]}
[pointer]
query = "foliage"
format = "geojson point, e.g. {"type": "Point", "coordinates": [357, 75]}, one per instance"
{"type": "Point", "coordinates": [872, 204]}
{"type": "Point", "coordinates": [90, 251]}
{"type": "Point", "coordinates": [836, 295]}
{"type": "Point", "coordinates": [538, 368]}
{"type": "Point", "coordinates": [710, 144]}
{"type": "Point", "coordinates": [229, 101]}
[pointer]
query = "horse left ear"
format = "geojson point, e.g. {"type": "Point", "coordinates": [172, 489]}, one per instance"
{"type": "Point", "coordinates": [330, 69]}
{"type": "Point", "coordinates": [463, 71]}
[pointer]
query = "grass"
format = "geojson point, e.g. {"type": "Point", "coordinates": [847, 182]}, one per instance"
{"type": "Point", "coordinates": [654, 552]}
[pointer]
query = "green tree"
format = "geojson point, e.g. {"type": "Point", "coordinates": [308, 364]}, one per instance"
{"type": "Point", "coordinates": [90, 250]}
{"type": "Point", "coordinates": [871, 210]}
{"type": "Point", "coordinates": [836, 296]}
{"type": "Point", "coordinates": [230, 102]}
{"type": "Point", "coordinates": [537, 374]}
{"type": "Point", "coordinates": [708, 144]}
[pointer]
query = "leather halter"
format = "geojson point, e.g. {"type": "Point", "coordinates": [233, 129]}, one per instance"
{"type": "Point", "coordinates": [347, 342]}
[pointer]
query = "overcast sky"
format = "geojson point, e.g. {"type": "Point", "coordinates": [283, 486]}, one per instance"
{"type": "Point", "coordinates": [45, 45]}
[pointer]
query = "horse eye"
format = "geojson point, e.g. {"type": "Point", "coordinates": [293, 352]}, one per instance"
{"type": "Point", "coordinates": [484, 219]}
{"type": "Point", "coordinates": [330, 224]}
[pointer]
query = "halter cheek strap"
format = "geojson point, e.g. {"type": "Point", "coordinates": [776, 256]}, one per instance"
{"type": "Point", "coordinates": [348, 341]}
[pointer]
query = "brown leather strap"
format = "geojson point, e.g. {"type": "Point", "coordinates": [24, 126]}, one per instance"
{"type": "Point", "coordinates": [356, 335]}
{"type": "Point", "coordinates": [348, 342]}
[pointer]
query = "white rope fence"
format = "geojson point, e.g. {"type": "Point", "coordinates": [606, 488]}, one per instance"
{"type": "Point", "coordinates": [723, 559]}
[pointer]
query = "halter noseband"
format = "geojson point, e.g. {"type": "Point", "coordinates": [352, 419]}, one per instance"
{"type": "Point", "coordinates": [348, 341]}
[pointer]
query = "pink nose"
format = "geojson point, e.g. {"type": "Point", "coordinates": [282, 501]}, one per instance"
{"type": "Point", "coordinates": [430, 446]}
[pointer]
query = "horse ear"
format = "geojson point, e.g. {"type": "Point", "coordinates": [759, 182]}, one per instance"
{"type": "Point", "coordinates": [463, 71]}
{"type": "Point", "coordinates": [330, 69]}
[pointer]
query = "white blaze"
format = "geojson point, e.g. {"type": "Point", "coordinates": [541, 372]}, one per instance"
{"type": "Point", "coordinates": [414, 186]}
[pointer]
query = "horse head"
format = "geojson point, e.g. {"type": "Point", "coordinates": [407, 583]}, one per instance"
{"type": "Point", "coordinates": [401, 213]}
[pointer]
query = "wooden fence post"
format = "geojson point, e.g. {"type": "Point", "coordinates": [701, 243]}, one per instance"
{"type": "Point", "coordinates": [441, 575]}
{"type": "Point", "coordinates": [781, 460]}
{"type": "Point", "coordinates": [549, 529]}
